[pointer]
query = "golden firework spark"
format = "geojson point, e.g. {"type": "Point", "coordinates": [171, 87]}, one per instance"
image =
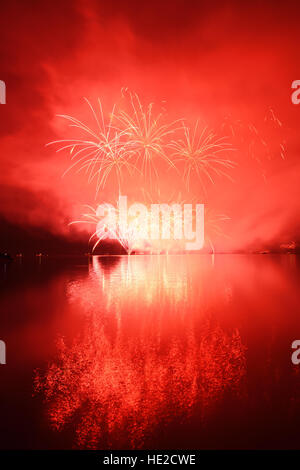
{"type": "Point", "coordinates": [112, 230]}
{"type": "Point", "coordinates": [100, 152]}
{"type": "Point", "coordinates": [263, 142]}
{"type": "Point", "coordinates": [201, 152]}
{"type": "Point", "coordinates": [213, 226]}
{"type": "Point", "coordinates": [145, 133]}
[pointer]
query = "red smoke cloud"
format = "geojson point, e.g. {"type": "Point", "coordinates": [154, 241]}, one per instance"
{"type": "Point", "coordinates": [225, 64]}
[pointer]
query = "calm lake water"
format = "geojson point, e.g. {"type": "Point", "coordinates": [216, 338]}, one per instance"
{"type": "Point", "coordinates": [175, 352]}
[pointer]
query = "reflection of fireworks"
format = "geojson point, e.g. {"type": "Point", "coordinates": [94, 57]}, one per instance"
{"type": "Point", "coordinates": [145, 133]}
{"type": "Point", "coordinates": [102, 153]}
{"type": "Point", "coordinates": [127, 386]}
{"type": "Point", "coordinates": [202, 153]}
{"type": "Point", "coordinates": [128, 375]}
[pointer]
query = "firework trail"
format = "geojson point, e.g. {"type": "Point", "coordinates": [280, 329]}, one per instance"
{"type": "Point", "coordinates": [108, 227]}
{"type": "Point", "coordinates": [116, 158]}
{"type": "Point", "coordinates": [99, 152]}
{"type": "Point", "coordinates": [137, 138]}
{"type": "Point", "coordinates": [202, 153]}
{"type": "Point", "coordinates": [272, 121]}
{"type": "Point", "coordinates": [213, 221]}
{"type": "Point", "coordinates": [111, 229]}
{"type": "Point", "coordinates": [145, 133]}
{"type": "Point", "coordinates": [91, 218]}
{"type": "Point", "coordinates": [213, 226]}
{"type": "Point", "coordinates": [176, 217]}
{"type": "Point", "coordinates": [266, 142]}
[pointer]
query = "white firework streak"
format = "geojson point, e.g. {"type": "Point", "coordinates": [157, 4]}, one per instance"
{"type": "Point", "coordinates": [101, 153]}
{"type": "Point", "coordinates": [145, 133]}
{"type": "Point", "coordinates": [202, 153]}
{"type": "Point", "coordinates": [125, 236]}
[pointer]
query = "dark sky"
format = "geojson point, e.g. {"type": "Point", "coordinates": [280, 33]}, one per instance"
{"type": "Point", "coordinates": [224, 63]}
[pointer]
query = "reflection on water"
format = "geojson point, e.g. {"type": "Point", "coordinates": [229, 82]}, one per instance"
{"type": "Point", "coordinates": [158, 351]}
{"type": "Point", "coordinates": [124, 376]}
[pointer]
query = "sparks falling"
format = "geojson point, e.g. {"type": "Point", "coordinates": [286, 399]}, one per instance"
{"type": "Point", "coordinates": [146, 134]}
{"type": "Point", "coordinates": [133, 140]}
{"type": "Point", "coordinates": [202, 152]}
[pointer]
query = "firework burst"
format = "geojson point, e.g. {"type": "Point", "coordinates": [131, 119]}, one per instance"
{"type": "Point", "coordinates": [261, 143]}
{"type": "Point", "coordinates": [202, 153]}
{"type": "Point", "coordinates": [136, 140]}
{"type": "Point", "coordinates": [145, 133]}
{"type": "Point", "coordinates": [110, 229]}
{"type": "Point", "coordinates": [100, 152]}
{"type": "Point", "coordinates": [176, 217]}
{"type": "Point", "coordinates": [90, 218]}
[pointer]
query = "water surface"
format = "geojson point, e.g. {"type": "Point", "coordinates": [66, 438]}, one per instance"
{"type": "Point", "coordinates": [185, 351]}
